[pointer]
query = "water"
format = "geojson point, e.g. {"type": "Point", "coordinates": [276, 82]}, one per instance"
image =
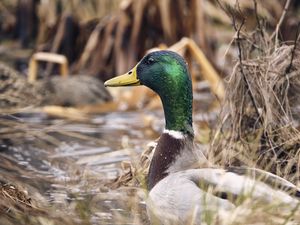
{"type": "Point", "coordinates": [68, 163]}
{"type": "Point", "coordinates": [65, 164]}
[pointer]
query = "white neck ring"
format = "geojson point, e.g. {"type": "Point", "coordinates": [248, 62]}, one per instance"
{"type": "Point", "coordinates": [174, 133]}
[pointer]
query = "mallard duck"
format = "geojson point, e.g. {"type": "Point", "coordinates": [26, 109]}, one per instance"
{"type": "Point", "coordinates": [77, 90]}
{"type": "Point", "coordinates": [179, 193]}
{"type": "Point", "coordinates": [66, 90]}
{"type": "Point", "coordinates": [17, 92]}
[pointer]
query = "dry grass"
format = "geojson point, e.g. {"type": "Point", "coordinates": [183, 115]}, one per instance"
{"type": "Point", "coordinates": [259, 121]}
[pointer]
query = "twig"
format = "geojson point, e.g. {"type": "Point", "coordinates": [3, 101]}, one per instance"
{"type": "Point", "coordinates": [257, 19]}
{"type": "Point", "coordinates": [238, 39]}
{"type": "Point", "coordinates": [275, 33]}
{"type": "Point", "coordinates": [294, 49]}
{"type": "Point", "coordinates": [242, 69]}
{"type": "Point", "coordinates": [238, 32]}
{"type": "Point", "coordinates": [228, 12]}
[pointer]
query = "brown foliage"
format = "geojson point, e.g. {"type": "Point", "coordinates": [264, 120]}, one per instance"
{"type": "Point", "coordinates": [260, 118]}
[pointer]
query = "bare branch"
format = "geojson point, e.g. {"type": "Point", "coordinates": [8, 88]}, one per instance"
{"type": "Point", "coordinates": [257, 18]}
{"type": "Point", "coordinates": [240, 55]}
{"type": "Point", "coordinates": [275, 33]}
{"type": "Point", "coordinates": [294, 48]}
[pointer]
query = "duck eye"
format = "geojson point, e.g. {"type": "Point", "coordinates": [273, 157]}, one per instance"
{"type": "Point", "coordinates": [150, 60]}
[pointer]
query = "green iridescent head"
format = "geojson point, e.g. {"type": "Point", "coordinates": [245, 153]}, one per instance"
{"type": "Point", "coordinates": [166, 73]}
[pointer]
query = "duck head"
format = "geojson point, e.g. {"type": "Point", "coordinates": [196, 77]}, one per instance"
{"type": "Point", "coordinates": [166, 73]}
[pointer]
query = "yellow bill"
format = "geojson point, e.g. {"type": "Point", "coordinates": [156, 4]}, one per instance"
{"type": "Point", "coordinates": [127, 79]}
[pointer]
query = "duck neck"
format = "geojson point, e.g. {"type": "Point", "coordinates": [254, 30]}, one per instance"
{"type": "Point", "coordinates": [174, 151]}
{"type": "Point", "coordinates": [178, 107]}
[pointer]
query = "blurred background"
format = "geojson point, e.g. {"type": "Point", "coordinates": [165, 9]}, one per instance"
{"type": "Point", "coordinates": [64, 135]}
{"type": "Point", "coordinates": [105, 38]}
